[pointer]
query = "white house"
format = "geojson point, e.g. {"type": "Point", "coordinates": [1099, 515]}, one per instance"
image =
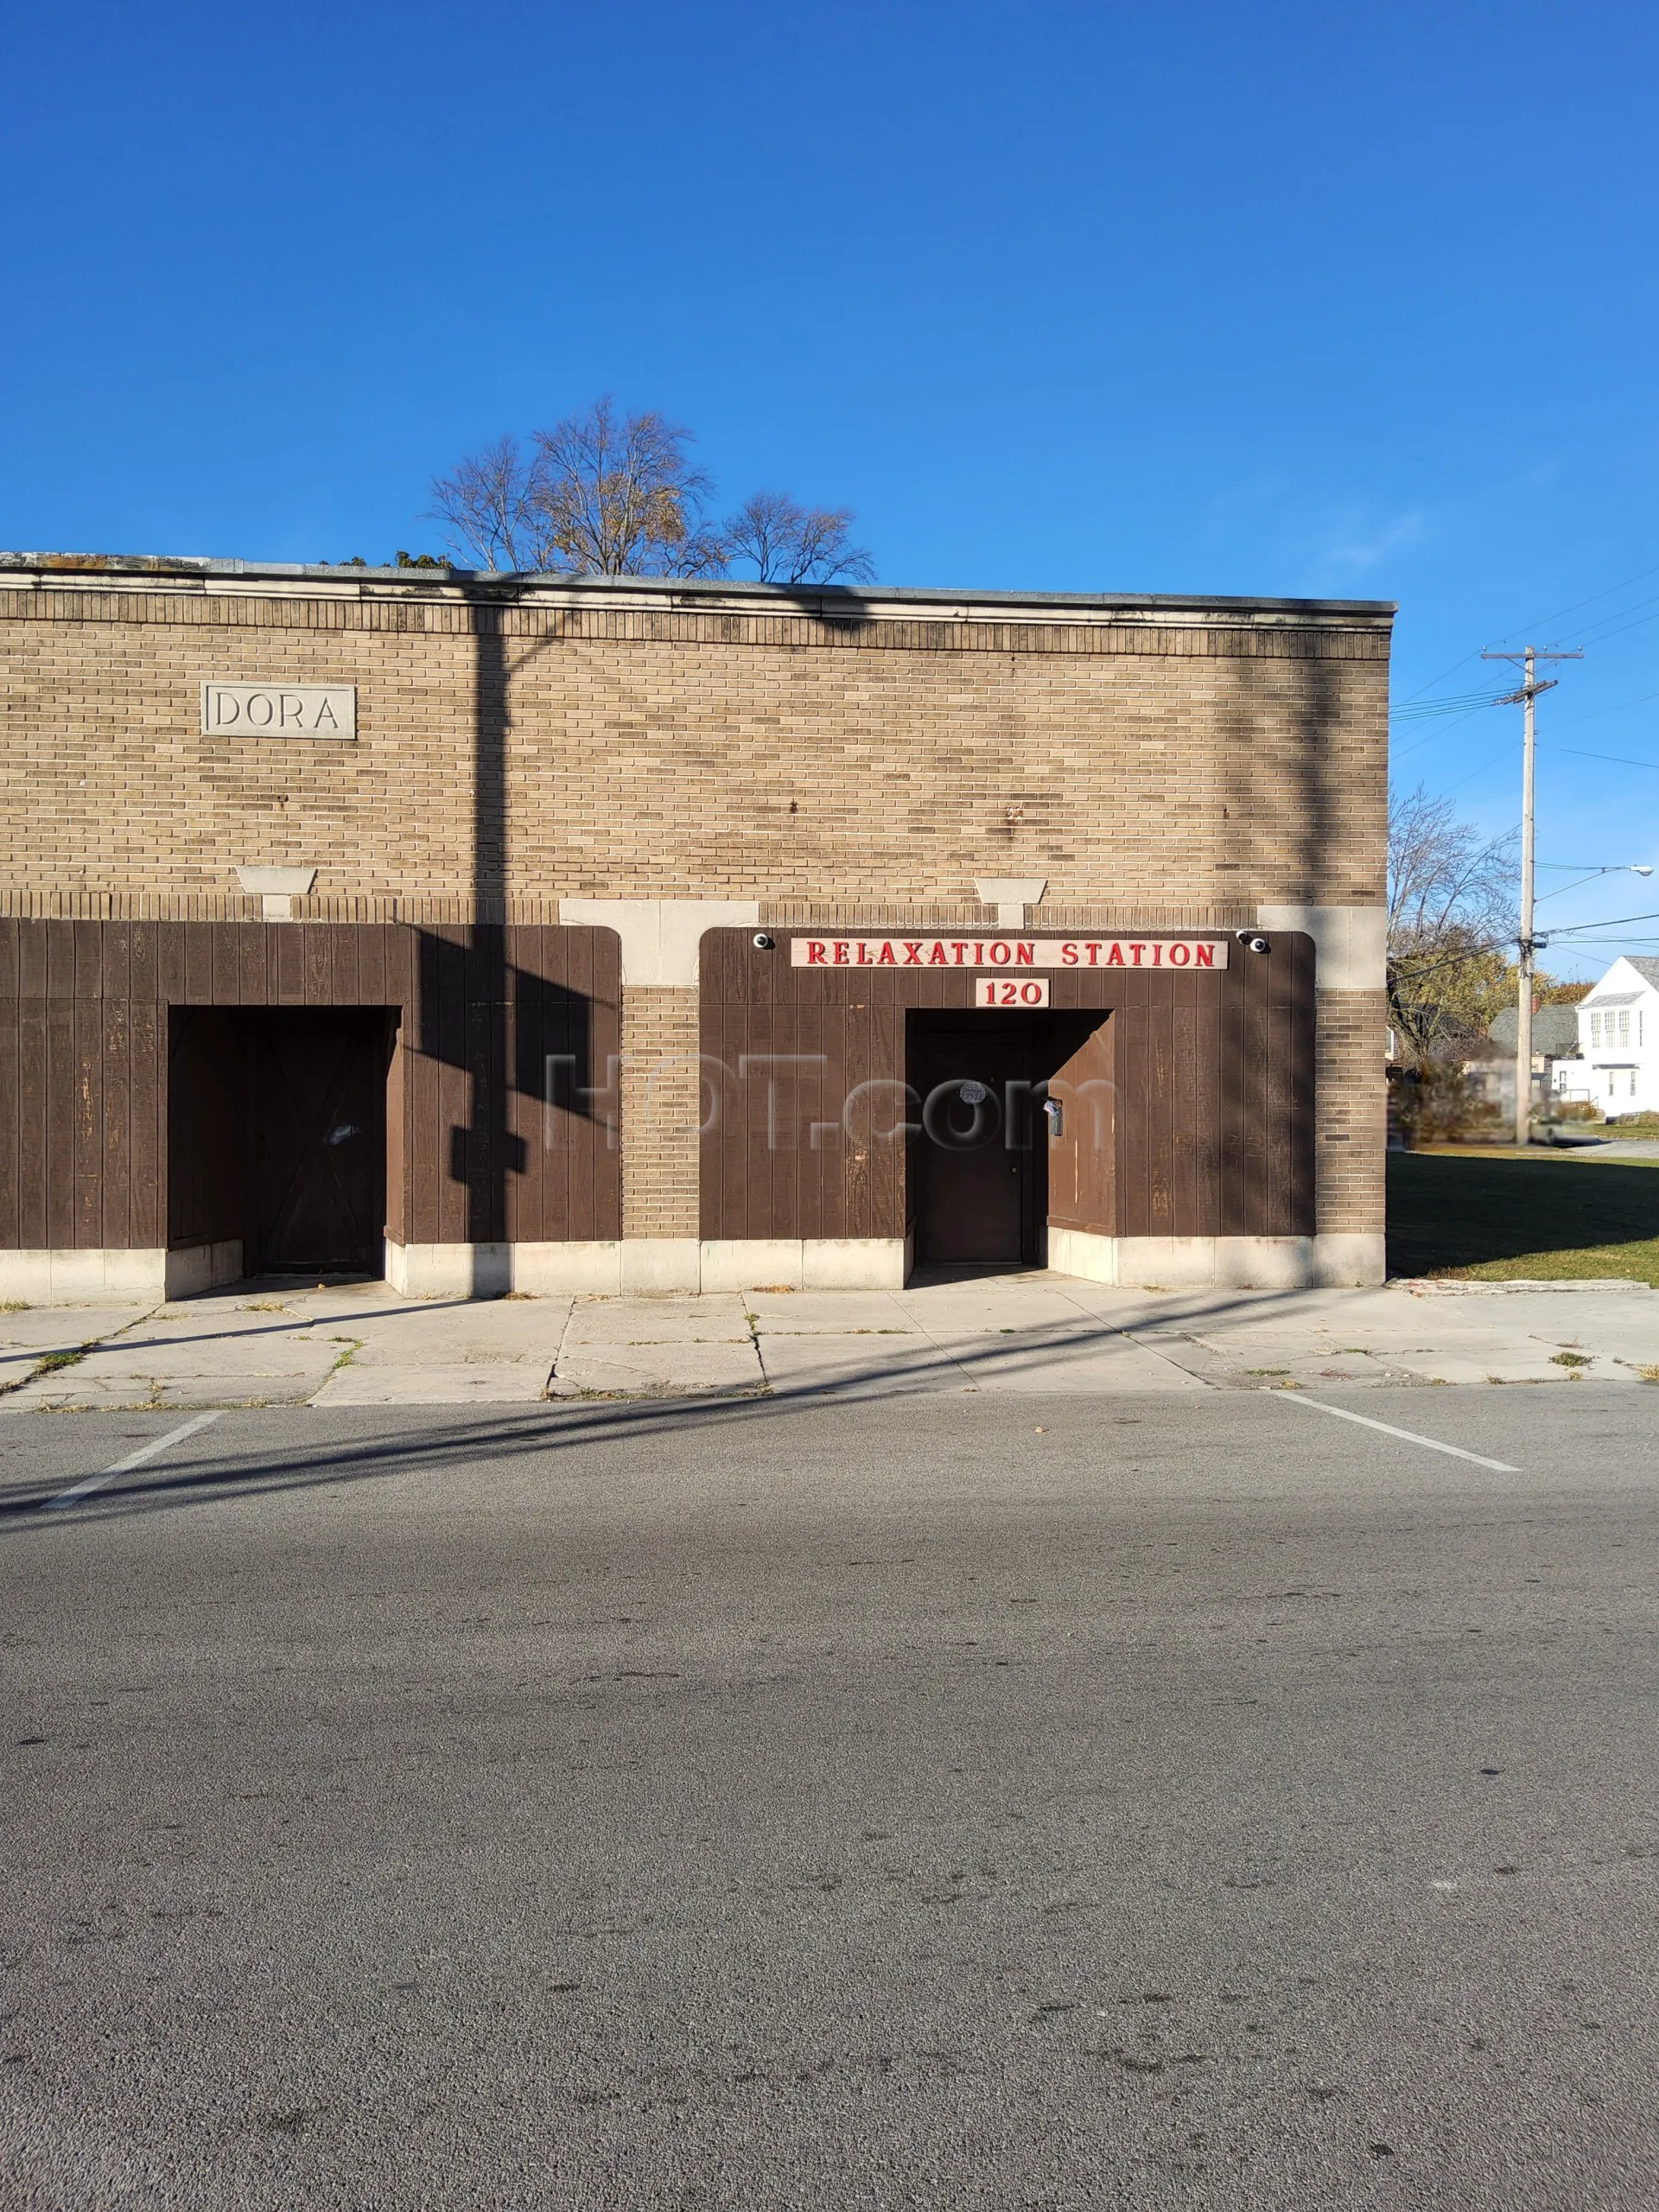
{"type": "Point", "coordinates": [1619, 1039]}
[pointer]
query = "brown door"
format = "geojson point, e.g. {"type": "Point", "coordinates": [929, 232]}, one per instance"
{"type": "Point", "coordinates": [973, 1156]}
{"type": "Point", "coordinates": [1082, 1121]}
{"type": "Point", "coordinates": [316, 1091]}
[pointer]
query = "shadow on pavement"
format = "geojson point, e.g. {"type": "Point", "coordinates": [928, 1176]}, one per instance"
{"type": "Point", "coordinates": [300, 1465]}
{"type": "Point", "coordinates": [1446, 1212]}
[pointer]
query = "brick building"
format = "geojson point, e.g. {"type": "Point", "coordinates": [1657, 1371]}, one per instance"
{"type": "Point", "coordinates": [514, 931]}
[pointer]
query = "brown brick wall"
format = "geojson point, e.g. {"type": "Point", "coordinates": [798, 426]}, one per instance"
{"type": "Point", "coordinates": [1160, 774]}
{"type": "Point", "coordinates": [681, 755]}
{"type": "Point", "coordinates": [1350, 1109]}
{"type": "Point", "coordinates": [661, 1112]}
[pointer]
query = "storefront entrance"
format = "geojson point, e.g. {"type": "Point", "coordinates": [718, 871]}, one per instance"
{"type": "Point", "coordinates": [278, 1135]}
{"type": "Point", "coordinates": [1005, 1105]}
{"type": "Point", "coordinates": [975, 1166]}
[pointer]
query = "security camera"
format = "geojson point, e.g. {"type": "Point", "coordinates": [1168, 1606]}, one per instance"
{"type": "Point", "coordinates": [1252, 940]}
{"type": "Point", "coordinates": [762, 942]}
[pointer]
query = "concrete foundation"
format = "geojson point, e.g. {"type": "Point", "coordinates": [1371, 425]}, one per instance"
{"type": "Point", "coordinates": [650, 1265]}
{"type": "Point", "coordinates": [1332, 1260]}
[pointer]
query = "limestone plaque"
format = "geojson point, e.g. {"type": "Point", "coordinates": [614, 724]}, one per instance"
{"type": "Point", "coordinates": [238, 709]}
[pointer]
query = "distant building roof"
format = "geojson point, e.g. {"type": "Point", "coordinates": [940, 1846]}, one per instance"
{"type": "Point", "coordinates": [1554, 1030]}
{"type": "Point", "coordinates": [1647, 970]}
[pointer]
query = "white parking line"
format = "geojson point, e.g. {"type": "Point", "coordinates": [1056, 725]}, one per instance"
{"type": "Point", "coordinates": [151, 1450]}
{"type": "Point", "coordinates": [1409, 1435]}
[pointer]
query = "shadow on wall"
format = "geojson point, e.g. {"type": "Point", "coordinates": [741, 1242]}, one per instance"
{"type": "Point", "coordinates": [1286, 836]}
{"type": "Point", "coordinates": [509, 1032]}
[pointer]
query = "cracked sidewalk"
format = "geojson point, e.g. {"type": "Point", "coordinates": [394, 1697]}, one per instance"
{"type": "Point", "coordinates": [361, 1344]}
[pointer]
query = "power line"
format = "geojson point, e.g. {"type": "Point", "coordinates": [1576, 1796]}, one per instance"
{"type": "Point", "coordinates": [1463, 699]}
{"type": "Point", "coordinates": [1477, 770]}
{"type": "Point", "coordinates": [1600, 637]}
{"type": "Point", "coordinates": [1561, 889]}
{"type": "Point", "coordinates": [1607, 922]}
{"type": "Point", "coordinates": [1440, 678]}
{"type": "Point", "coordinates": [1617, 759]}
{"type": "Point", "coordinates": [1541, 622]}
{"type": "Point", "coordinates": [1618, 707]}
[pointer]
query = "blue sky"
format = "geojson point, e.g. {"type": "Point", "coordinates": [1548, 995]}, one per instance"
{"type": "Point", "coordinates": [1278, 299]}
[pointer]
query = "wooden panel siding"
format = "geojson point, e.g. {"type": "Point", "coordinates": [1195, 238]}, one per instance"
{"type": "Point", "coordinates": [476, 1153]}
{"type": "Point", "coordinates": [1213, 1131]}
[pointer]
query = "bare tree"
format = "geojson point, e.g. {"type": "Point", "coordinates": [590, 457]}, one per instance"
{"type": "Point", "coordinates": [1451, 914]}
{"type": "Point", "coordinates": [619, 496]}
{"type": "Point", "coordinates": [607, 494]}
{"type": "Point", "coordinates": [492, 508]}
{"type": "Point", "coordinates": [786, 543]}
{"type": "Point", "coordinates": [597, 495]}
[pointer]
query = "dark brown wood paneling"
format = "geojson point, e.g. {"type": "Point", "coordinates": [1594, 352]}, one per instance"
{"type": "Point", "coordinates": [1212, 1075]}
{"type": "Point", "coordinates": [315, 954]}
{"type": "Point", "coordinates": [115, 1193]}
{"type": "Point", "coordinates": [889, 1111]}
{"type": "Point", "coordinates": [345, 983]}
{"type": "Point", "coordinates": [31, 960]}
{"type": "Point", "coordinates": [89, 958]}
{"type": "Point", "coordinates": [89, 1120]}
{"type": "Point", "coordinates": [1083, 1159]}
{"type": "Point", "coordinates": [147, 1196]}
{"type": "Point", "coordinates": [197, 987]}
{"type": "Point", "coordinates": [286, 970]}
{"type": "Point", "coordinates": [85, 1109]}
{"type": "Point", "coordinates": [1134, 1091]}
{"type": "Point", "coordinates": [32, 1121]}
{"type": "Point", "coordinates": [61, 1115]}
{"type": "Point", "coordinates": [1189, 1141]}
{"type": "Point", "coordinates": [370, 987]}
{"type": "Point", "coordinates": [423, 1097]}
{"type": "Point", "coordinates": [117, 954]}
{"type": "Point", "coordinates": [227, 939]}
{"type": "Point", "coordinates": [535, 1026]}
{"type": "Point", "coordinates": [10, 1114]}
{"type": "Point", "coordinates": [567, 1132]}
{"type": "Point", "coordinates": [60, 960]}
{"type": "Point", "coordinates": [168, 943]}
{"type": "Point", "coordinates": [483, 1025]}
{"type": "Point", "coordinates": [1301, 1019]}
{"type": "Point", "coordinates": [254, 953]}
{"type": "Point", "coordinates": [444, 1150]}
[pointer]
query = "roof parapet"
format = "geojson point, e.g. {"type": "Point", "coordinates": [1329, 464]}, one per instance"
{"type": "Point", "coordinates": [827, 602]}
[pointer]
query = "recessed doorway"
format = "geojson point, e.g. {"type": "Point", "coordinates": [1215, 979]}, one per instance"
{"type": "Point", "coordinates": [984, 1134]}
{"type": "Point", "coordinates": [278, 1135]}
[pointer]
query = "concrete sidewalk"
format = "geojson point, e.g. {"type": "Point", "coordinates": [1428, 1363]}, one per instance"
{"type": "Point", "coordinates": [360, 1344]}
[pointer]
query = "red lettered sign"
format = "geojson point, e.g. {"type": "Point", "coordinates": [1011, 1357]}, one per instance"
{"type": "Point", "coordinates": [1008, 954]}
{"type": "Point", "coordinates": [1010, 990]}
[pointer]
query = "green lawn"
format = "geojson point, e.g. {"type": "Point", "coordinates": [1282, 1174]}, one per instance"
{"type": "Point", "coordinates": [1526, 1215]}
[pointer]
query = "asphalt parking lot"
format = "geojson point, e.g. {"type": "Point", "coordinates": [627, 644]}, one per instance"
{"type": "Point", "coordinates": [1199, 1798]}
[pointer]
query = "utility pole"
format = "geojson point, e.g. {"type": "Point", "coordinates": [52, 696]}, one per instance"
{"type": "Point", "coordinates": [1530, 687]}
